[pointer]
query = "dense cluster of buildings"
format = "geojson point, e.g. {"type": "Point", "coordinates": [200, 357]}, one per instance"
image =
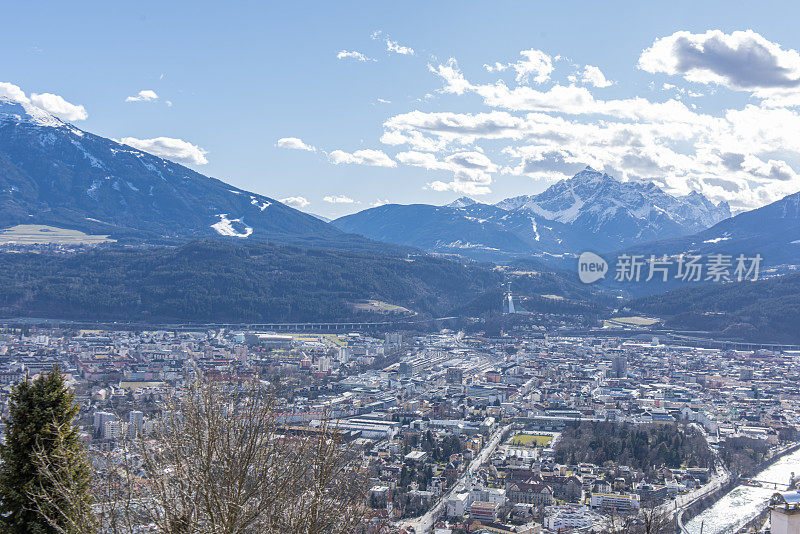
{"type": "Point", "coordinates": [457, 431]}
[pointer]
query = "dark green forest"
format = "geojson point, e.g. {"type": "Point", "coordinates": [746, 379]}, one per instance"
{"type": "Point", "coordinates": [765, 310]}
{"type": "Point", "coordinates": [641, 447]}
{"type": "Point", "coordinates": [212, 281]}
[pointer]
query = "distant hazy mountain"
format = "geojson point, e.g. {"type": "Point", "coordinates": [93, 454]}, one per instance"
{"type": "Point", "coordinates": [462, 202]}
{"type": "Point", "coordinates": [772, 231]}
{"type": "Point", "coordinates": [52, 173]}
{"type": "Point", "coordinates": [320, 217]}
{"type": "Point", "coordinates": [591, 210]}
{"type": "Point", "coordinates": [477, 230]}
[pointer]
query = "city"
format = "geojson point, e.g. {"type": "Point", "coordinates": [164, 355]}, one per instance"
{"type": "Point", "coordinates": [527, 432]}
{"type": "Point", "coordinates": [399, 267]}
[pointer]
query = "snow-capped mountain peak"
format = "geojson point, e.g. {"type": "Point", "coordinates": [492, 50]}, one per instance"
{"type": "Point", "coordinates": [589, 176]}
{"type": "Point", "coordinates": [590, 211]}
{"type": "Point", "coordinates": [461, 202]}
{"type": "Point", "coordinates": [620, 212]}
{"type": "Point", "coordinates": [25, 112]}
{"type": "Point", "coordinates": [54, 174]}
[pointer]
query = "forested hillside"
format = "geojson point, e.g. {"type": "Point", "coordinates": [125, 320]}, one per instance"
{"type": "Point", "coordinates": [229, 282]}
{"type": "Point", "coordinates": [765, 310]}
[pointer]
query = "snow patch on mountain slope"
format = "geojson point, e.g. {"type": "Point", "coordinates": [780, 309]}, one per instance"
{"type": "Point", "coordinates": [149, 166]}
{"type": "Point", "coordinates": [536, 235]}
{"type": "Point", "coordinates": [225, 227]}
{"type": "Point", "coordinates": [717, 239]}
{"type": "Point", "coordinates": [462, 202]}
{"type": "Point", "coordinates": [261, 205]}
{"type": "Point", "coordinates": [464, 245]}
{"type": "Point", "coordinates": [93, 161]}
{"type": "Point", "coordinates": [92, 191]}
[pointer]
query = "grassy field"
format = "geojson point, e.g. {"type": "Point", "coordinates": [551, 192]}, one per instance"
{"type": "Point", "coordinates": [38, 234]}
{"type": "Point", "coordinates": [632, 321]}
{"type": "Point", "coordinates": [378, 306]}
{"type": "Point", "coordinates": [531, 440]}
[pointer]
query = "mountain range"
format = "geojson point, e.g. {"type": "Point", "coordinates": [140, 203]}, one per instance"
{"type": "Point", "coordinates": [591, 210]}
{"type": "Point", "coordinates": [52, 173]}
{"type": "Point", "coordinates": [773, 231]}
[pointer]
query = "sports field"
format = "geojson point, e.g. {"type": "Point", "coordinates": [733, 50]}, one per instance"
{"type": "Point", "coordinates": [531, 440]}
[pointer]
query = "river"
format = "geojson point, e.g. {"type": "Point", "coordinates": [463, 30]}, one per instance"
{"type": "Point", "coordinates": [743, 503]}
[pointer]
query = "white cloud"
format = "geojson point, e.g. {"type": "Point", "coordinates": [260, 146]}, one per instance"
{"type": "Point", "coordinates": [145, 95]}
{"type": "Point", "coordinates": [570, 99]}
{"type": "Point", "coordinates": [383, 101]}
{"type": "Point", "coordinates": [13, 92]}
{"type": "Point", "coordinates": [454, 80]}
{"type": "Point", "coordinates": [59, 107]}
{"type": "Point", "coordinates": [374, 158]}
{"type": "Point", "coordinates": [460, 186]}
{"type": "Point", "coordinates": [296, 202]}
{"type": "Point", "coordinates": [471, 170]}
{"type": "Point", "coordinates": [338, 199]}
{"type": "Point", "coordinates": [176, 150]}
{"type": "Point", "coordinates": [433, 131]}
{"type": "Point", "coordinates": [394, 46]}
{"type": "Point", "coordinates": [533, 63]}
{"type": "Point", "coordinates": [573, 100]}
{"type": "Point", "coordinates": [747, 157]}
{"type": "Point", "coordinates": [594, 76]}
{"type": "Point", "coordinates": [53, 104]}
{"type": "Point", "coordinates": [496, 67]}
{"type": "Point", "coordinates": [742, 61]}
{"type": "Point", "coordinates": [421, 159]}
{"type": "Point", "coordinates": [352, 54]}
{"type": "Point", "coordinates": [380, 202]}
{"type": "Point", "coordinates": [294, 143]}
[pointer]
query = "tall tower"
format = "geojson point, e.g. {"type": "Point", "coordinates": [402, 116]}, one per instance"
{"type": "Point", "coordinates": [508, 300]}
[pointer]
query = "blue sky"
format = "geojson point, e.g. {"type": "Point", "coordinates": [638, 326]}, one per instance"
{"type": "Point", "coordinates": [497, 98]}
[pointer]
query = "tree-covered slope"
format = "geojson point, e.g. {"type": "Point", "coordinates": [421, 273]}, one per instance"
{"type": "Point", "coordinates": [212, 281]}
{"type": "Point", "coordinates": [764, 310]}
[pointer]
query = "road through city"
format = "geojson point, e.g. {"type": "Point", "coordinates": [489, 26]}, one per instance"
{"type": "Point", "coordinates": [424, 524]}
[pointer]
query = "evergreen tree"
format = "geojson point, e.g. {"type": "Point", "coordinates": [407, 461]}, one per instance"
{"type": "Point", "coordinates": [44, 476]}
